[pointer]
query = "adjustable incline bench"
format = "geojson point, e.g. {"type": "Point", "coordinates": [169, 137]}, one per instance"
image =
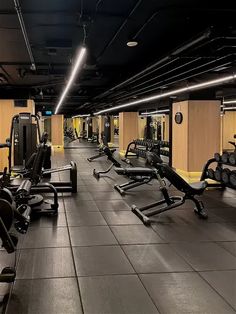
{"type": "Point", "coordinates": [162, 171]}
{"type": "Point", "coordinates": [137, 177]}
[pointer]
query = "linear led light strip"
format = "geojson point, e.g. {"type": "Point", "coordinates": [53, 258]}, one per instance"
{"type": "Point", "coordinates": [225, 102]}
{"type": "Point", "coordinates": [170, 93]}
{"type": "Point", "coordinates": [155, 112]}
{"type": "Point", "coordinates": [229, 108]}
{"type": "Point", "coordinates": [81, 116]}
{"type": "Point", "coordinates": [77, 65]}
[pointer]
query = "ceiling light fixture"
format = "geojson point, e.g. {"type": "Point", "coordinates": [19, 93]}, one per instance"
{"type": "Point", "coordinates": [229, 108]}
{"type": "Point", "coordinates": [132, 43]}
{"type": "Point", "coordinates": [170, 93]}
{"type": "Point", "coordinates": [81, 116]}
{"type": "Point", "coordinates": [76, 67]}
{"type": "Point", "coordinates": [233, 101]}
{"type": "Point", "coordinates": [155, 112]}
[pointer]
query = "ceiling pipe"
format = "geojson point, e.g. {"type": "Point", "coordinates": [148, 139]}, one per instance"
{"type": "Point", "coordinates": [127, 97]}
{"type": "Point", "coordinates": [165, 81]}
{"type": "Point", "coordinates": [174, 82]}
{"type": "Point", "coordinates": [119, 30]}
{"type": "Point", "coordinates": [180, 74]}
{"type": "Point", "coordinates": [24, 32]}
{"type": "Point", "coordinates": [148, 69]}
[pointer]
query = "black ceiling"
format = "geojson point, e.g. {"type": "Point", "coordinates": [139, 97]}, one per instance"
{"type": "Point", "coordinates": [162, 28]}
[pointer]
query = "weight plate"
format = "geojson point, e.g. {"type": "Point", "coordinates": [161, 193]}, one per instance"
{"type": "Point", "coordinates": [225, 157]}
{"type": "Point", "coordinates": [217, 157]}
{"type": "Point", "coordinates": [232, 159]}
{"type": "Point", "coordinates": [211, 174]}
{"type": "Point", "coordinates": [218, 173]}
{"type": "Point", "coordinates": [225, 175]}
{"type": "Point", "coordinates": [232, 178]}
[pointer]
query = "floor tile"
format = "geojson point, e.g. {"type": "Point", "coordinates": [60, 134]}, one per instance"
{"type": "Point", "coordinates": [229, 246]}
{"type": "Point", "coordinates": [224, 283]}
{"type": "Point", "coordinates": [45, 263]}
{"type": "Point", "coordinates": [49, 222]}
{"type": "Point", "coordinates": [179, 232]}
{"type": "Point", "coordinates": [72, 204]}
{"type": "Point", "coordinates": [114, 205]}
{"type": "Point", "coordinates": [155, 258]}
{"type": "Point", "coordinates": [101, 260]}
{"type": "Point", "coordinates": [227, 214]}
{"type": "Point", "coordinates": [135, 234]}
{"type": "Point", "coordinates": [121, 218]}
{"type": "Point", "coordinates": [220, 231]}
{"type": "Point", "coordinates": [89, 236]}
{"type": "Point", "coordinates": [46, 237]}
{"type": "Point", "coordinates": [45, 296]}
{"type": "Point", "coordinates": [115, 295]}
{"type": "Point", "coordinates": [101, 196]}
{"type": "Point", "coordinates": [83, 218]}
{"type": "Point", "coordinates": [206, 256]}
{"type": "Point", "coordinates": [84, 196]}
{"type": "Point", "coordinates": [184, 293]}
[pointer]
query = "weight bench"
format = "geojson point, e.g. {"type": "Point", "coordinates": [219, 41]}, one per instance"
{"type": "Point", "coordinates": [100, 154]}
{"type": "Point", "coordinates": [138, 176]}
{"type": "Point", "coordinates": [163, 171]}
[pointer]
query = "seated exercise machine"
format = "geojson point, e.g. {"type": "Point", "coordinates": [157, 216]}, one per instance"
{"type": "Point", "coordinates": [137, 177]}
{"type": "Point", "coordinates": [24, 189]}
{"type": "Point", "coordinates": [61, 186]}
{"type": "Point", "coordinates": [163, 171]}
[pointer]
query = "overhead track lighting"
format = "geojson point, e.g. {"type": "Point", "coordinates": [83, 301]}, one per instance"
{"type": "Point", "coordinates": [81, 116]}
{"type": "Point", "coordinates": [155, 112]}
{"type": "Point", "coordinates": [229, 108]}
{"type": "Point", "coordinates": [75, 69]}
{"type": "Point", "coordinates": [170, 93]}
{"type": "Point", "coordinates": [233, 101]}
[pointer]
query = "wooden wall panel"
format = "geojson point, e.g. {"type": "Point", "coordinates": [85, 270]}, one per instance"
{"type": "Point", "coordinates": [7, 111]}
{"type": "Point", "coordinates": [128, 129]}
{"type": "Point", "coordinates": [204, 132]}
{"type": "Point", "coordinates": [180, 137]}
{"type": "Point", "coordinates": [228, 129]}
{"type": "Point", "coordinates": [57, 125]}
{"type": "Point", "coordinates": [197, 138]}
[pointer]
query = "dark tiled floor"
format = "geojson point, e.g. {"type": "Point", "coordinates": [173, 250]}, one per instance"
{"type": "Point", "coordinates": [96, 257]}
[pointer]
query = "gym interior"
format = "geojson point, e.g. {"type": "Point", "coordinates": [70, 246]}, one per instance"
{"type": "Point", "coordinates": [117, 157]}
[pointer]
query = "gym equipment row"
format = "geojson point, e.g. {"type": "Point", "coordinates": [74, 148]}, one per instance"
{"type": "Point", "coordinates": [158, 171]}
{"type": "Point", "coordinates": [139, 148]}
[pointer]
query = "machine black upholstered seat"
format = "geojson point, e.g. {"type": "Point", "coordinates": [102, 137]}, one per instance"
{"type": "Point", "coordinates": [196, 188]}
{"type": "Point", "coordinates": [137, 171]}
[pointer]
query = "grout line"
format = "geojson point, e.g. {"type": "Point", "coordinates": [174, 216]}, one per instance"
{"type": "Point", "coordinates": [73, 260]}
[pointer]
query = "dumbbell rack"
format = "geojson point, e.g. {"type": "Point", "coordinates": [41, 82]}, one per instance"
{"type": "Point", "coordinates": [207, 174]}
{"type": "Point", "coordinates": [139, 148]}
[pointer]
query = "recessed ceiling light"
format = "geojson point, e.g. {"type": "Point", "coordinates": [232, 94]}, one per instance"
{"type": "Point", "coordinates": [132, 43]}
